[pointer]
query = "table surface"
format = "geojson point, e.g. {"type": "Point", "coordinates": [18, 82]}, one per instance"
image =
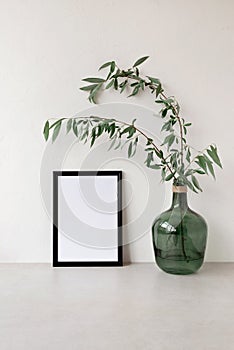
{"type": "Point", "coordinates": [132, 307]}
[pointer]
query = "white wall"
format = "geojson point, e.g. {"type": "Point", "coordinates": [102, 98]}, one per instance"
{"type": "Point", "coordinates": [47, 46]}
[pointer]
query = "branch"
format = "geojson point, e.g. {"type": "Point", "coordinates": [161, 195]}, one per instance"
{"type": "Point", "coordinates": [146, 137]}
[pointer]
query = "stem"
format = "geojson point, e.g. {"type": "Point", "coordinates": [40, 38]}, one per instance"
{"type": "Point", "coordinates": [182, 236]}
{"type": "Point", "coordinates": [176, 113]}
{"type": "Point", "coordinates": [181, 131]}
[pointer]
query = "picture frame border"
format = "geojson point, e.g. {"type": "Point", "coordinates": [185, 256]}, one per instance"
{"type": "Point", "coordinates": [56, 174]}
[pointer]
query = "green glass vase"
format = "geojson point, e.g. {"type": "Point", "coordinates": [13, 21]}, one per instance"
{"type": "Point", "coordinates": [179, 236]}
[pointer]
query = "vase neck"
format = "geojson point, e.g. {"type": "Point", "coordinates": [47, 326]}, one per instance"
{"type": "Point", "coordinates": [179, 197]}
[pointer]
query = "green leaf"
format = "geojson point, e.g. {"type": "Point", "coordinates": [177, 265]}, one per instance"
{"type": "Point", "coordinates": [110, 84]}
{"type": "Point", "coordinates": [166, 126]}
{"type": "Point", "coordinates": [112, 129]}
{"type": "Point", "coordinates": [190, 185]}
{"type": "Point", "coordinates": [211, 169]}
{"type": "Point", "coordinates": [92, 140]}
{"type": "Point", "coordinates": [164, 112]}
{"type": "Point", "coordinates": [169, 139]}
{"type": "Point", "coordinates": [154, 80]}
{"type": "Point", "coordinates": [118, 144]}
{"type": "Point", "coordinates": [163, 173]}
{"type": "Point", "coordinates": [112, 143]}
{"type": "Point", "coordinates": [134, 84]}
{"type": "Point", "coordinates": [141, 83]}
{"type": "Point", "coordinates": [85, 135]}
{"type": "Point", "coordinates": [107, 64]}
{"type": "Point", "coordinates": [169, 177]}
{"type": "Point", "coordinates": [128, 73]}
{"type": "Point", "coordinates": [116, 75]}
{"type": "Point", "coordinates": [94, 80]}
{"type": "Point", "coordinates": [135, 146]}
{"type": "Point", "coordinates": [149, 141]}
{"type": "Point", "coordinates": [158, 90]}
{"type": "Point", "coordinates": [123, 86]}
{"type": "Point", "coordinates": [126, 130]}
{"type": "Point", "coordinates": [100, 129]}
{"type": "Point", "coordinates": [135, 91]}
{"type": "Point", "coordinates": [214, 155]}
{"type": "Point", "coordinates": [149, 159]}
{"type": "Point", "coordinates": [88, 87]}
{"type": "Point", "coordinates": [74, 127]}
{"type": "Point", "coordinates": [69, 125]}
{"type": "Point", "coordinates": [154, 166]}
{"type": "Point", "coordinates": [93, 93]}
{"type": "Point", "coordinates": [140, 61]}
{"type": "Point", "coordinates": [196, 183]}
{"type": "Point", "coordinates": [173, 120]}
{"type": "Point", "coordinates": [116, 85]}
{"type": "Point", "coordinates": [131, 131]}
{"type": "Point", "coordinates": [130, 150]}
{"type": "Point", "coordinates": [201, 162]}
{"type": "Point", "coordinates": [159, 153]}
{"type": "Point", "coordinates": [180, 170]}
{"type": "Point", "coordinates": [167, 101]}
{"type": "Point", "coordinates": [46, 130]}
{"type": "Point", "coordinates": [55, 123]}
{"type": "Point", "coordinates": [112, 66]}
{"type": "Point", "coordinates": [189, 172]}
{"type": "Point", "coordinates": [56, 131]}
{"type": "Point", "coordinates": [201, 172]}
{"type": "Point", "coordinates": [209, 165]}
{"type": "Point", "coordinates": [173, 159]}
{"type": "Point", "coordinates": [188, 155]}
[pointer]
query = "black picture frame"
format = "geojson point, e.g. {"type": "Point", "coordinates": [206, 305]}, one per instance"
{"type": "Point", "coordinates": [75, 263]}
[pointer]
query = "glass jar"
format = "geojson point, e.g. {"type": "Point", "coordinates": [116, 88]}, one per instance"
{"type": "Point", "coordinates": [179, 236]}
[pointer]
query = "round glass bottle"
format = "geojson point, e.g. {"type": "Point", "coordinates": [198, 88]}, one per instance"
{"type": "Point", "coordinates": [179, 236]}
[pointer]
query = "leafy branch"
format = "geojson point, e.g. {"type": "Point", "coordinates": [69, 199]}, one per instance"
{"type": "Point", "coordinates": [120, 133]}
{"type": "Point", "coordinates": [176, 162]}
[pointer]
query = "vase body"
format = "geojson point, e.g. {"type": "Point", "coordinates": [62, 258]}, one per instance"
{"type": "Point", "coordinates": [179, 236]}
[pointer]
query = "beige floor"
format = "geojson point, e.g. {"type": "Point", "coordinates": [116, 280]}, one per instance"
{"type": "Point", "coordinates": [134, 307]}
